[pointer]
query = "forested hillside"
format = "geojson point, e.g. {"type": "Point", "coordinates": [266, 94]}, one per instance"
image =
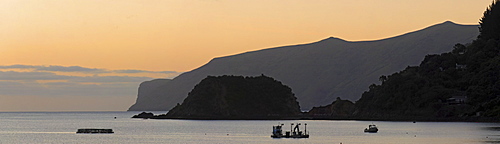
{"type": "Point", "coordinates": [238, 97]}
{"type": "Point", "coordinates": [462, 84]}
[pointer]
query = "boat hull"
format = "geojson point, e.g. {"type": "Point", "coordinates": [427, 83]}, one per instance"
{"type": "Point", "coordinates": [295, 136]}
{"type": "Point", "coordinates": [371, 131]}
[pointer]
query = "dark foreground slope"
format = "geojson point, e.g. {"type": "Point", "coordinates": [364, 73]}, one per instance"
{"type": "Point", "coordinates": [237, 97]}
{"type": "Point", "coordinates": [322, 71]}
{"type": "Point", "coordinates": [460, 85]}
{"type": "Point", "coordinates": [463, 84]}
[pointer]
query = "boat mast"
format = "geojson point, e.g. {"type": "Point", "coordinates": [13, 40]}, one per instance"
{"type": "Point", "coordinates": [305, 128]}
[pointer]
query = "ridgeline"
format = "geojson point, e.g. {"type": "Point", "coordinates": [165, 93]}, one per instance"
{"type": "Point", "coordinates": [461, 85]}
{"type": "Point", "coordinates": [317, 72]}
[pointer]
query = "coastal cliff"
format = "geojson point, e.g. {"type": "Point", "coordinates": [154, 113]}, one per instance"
{"type": "Point", "coordinates": [148, 94]}
{"type": "Point", "coordinates": [237, 97]}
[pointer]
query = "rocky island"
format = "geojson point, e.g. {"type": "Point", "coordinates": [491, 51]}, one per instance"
{"type": "Point", "coordinates": [237, 97]}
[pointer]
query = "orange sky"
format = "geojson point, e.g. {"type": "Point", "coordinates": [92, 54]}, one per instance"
{"type": "Point", "coordinates": [180, 35]}
{"type": "Point", "coordinates": [61, 55]}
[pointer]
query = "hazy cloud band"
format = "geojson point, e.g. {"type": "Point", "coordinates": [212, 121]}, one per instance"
{"type": "Point", "coordinates": [37, 80]}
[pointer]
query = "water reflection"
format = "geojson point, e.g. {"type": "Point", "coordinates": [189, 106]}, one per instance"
{"type": "Point", "coordinates": [492, 128]}
{"type": "Point", "coordinates": [492, 138]}
{"type": "Point", "coordinates": [60, 127]}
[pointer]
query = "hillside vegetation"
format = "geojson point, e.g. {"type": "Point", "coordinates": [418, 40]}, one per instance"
{"type": "Point", "coordinates": [237, 97]}
{"type": "Point", "coordinates": [462, 84]}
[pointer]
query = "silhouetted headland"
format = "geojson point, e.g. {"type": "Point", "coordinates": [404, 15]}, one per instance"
{"type": "Point", "coordinates": [318, 72]}
{"type": "Point", "coordinates": [461, 85]}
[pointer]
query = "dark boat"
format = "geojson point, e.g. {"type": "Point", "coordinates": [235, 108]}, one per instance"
{"type": "Point", "coordinates": [371, 128]}
{"type": "Point", "coordinates": [296, 133]}
{"type": "Point", "coordinates": [92, 131]}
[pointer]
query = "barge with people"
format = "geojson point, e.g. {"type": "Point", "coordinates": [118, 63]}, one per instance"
{"type": "Point", "coordinates": [296, 133]}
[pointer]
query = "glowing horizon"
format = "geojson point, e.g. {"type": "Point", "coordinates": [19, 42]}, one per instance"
{"type": "Point", "coordinates": [183, 35]}
{"type": "Point", "coordinates": [124, 38]}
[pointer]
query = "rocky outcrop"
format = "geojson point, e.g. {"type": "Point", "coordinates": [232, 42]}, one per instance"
{"type": "Point", "coordinates": [237, 97]}
{"type": "Point", "coordinates": [339, 109]}
{"type": "Point", "coordinates": [144, 115]}
{"type": "Point", "coordinates": [321, 71]}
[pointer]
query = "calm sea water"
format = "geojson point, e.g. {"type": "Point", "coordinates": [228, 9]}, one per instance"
{"type": "Point", "coordinates": [60, 127]}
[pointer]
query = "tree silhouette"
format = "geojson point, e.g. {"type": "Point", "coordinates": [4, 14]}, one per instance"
{"type": "Point", "coordinates": [490, 22]}
{"type": "Point", "coordinates": [382, 78]}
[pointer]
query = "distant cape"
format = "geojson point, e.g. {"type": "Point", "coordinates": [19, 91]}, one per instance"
{"type": "Point", "coordinates": [317, 72]}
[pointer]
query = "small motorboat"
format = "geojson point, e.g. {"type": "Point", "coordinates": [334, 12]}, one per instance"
{"type": "Point", "coordinates": [371, 128]}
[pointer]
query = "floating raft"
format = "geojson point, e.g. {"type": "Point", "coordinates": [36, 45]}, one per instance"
{"type": "Point", "coordinates": [296, 133]}
{"type": "Point", "coordinates": [95, 131]}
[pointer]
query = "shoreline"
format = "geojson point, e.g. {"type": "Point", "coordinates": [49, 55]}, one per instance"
{"type": "Point", "coordinates": [393, 119]}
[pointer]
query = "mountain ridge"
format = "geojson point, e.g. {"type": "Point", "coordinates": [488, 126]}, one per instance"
{"type": "Point", "coordinates": [320, 71]}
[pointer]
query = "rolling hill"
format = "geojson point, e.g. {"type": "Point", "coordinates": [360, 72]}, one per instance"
{"type": "Point", "coordinates": [317, 72]}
